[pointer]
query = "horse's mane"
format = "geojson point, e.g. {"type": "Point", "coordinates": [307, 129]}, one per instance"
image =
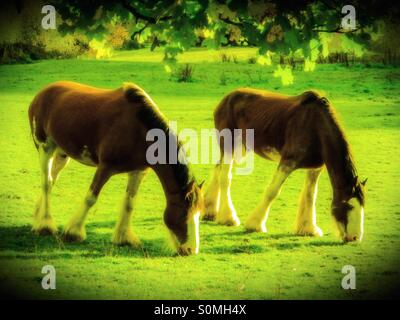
{"type": "Point", "coordinates": [342, 144]}
{"type": "Point", "coordinates": [152, 118]}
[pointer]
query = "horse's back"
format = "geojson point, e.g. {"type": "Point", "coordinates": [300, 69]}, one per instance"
{"type": "Point", "coordinates": [279, 121]}
{"type": "Point", "coordinates": [63, 107]}
{"type": "Point", "coordinates": [106, 126]}
{"type": "Point", "coordinates": [263, 111]}
{"type": "Point", "coordinates": [79, 118]}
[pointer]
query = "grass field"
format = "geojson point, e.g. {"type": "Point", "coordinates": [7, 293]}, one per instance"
{"type": "Point", "coordinates": [232, 264]}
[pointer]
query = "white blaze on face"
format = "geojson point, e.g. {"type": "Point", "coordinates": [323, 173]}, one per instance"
{"type": "Point", "coordinates": [193, 241]}
{"type": "Point", "coordinates": [355, 221]}
{"type": "Point", "coordinates": [191, 246]}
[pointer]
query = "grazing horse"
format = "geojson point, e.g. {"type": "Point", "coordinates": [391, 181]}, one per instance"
{"type": "Point", "coordinates": [298, 132]}
{"type": "Point", "coordinates": [107, 129]}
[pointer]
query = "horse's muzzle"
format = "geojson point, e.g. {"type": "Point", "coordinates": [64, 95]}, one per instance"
{"type": "Point", "coordinates": [184, 250]}
{"type": "Point", "coordinates": [352, 238]}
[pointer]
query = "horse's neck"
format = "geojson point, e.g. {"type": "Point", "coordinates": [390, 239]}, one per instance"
{"type": "Point", "coordinates": [338, 161]}
{"type": "Point", "coordinates": [173, 187]}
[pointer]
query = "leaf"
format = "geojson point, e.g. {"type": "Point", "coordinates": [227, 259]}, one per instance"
{"type": "Point", "coordinates": [264, 60]}
{"type": "Point", "coordinates": [285, 74]}
{"type": "Point", "coordinates": [293, 39]}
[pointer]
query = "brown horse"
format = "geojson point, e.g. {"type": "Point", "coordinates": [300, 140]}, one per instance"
{"type": "Point", "coordinates": [107, 129]}
{"type": "Point", "coordinates": [299, 132]}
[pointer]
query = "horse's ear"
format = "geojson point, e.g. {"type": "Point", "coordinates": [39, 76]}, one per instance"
{"type": "Point", "coordinates": [355, 184]}
{"type": "Point", "coordinates": [201, 185]}
{"type": "Point", "coordinates": [190, 187]}
{"type": "Point", "coordinates": [190, 192]}
{"type": "Point", "coordinates": [363, 183]}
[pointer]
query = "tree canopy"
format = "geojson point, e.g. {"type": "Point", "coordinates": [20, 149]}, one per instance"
{"type": "Point", "coordinates": [274, 26]}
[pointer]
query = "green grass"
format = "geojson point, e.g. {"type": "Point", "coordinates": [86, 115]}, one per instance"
{"type": "Point", "coordinates": [232, 264]}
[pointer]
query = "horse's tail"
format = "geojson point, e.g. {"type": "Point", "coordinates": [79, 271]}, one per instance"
{"type": "Point", "coordinates": [224, 117]}
{"type": "Point", "coordinates": [37, 131]}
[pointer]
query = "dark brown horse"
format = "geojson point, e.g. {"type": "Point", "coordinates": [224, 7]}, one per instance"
{"type": "Point", "coordinates": [298, 132]}
{"type": "Point", "coordinates": [107, 129]}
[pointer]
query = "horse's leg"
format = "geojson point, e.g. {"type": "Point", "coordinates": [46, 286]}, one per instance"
{"type": "Point", "coordinates": [258, 218]}
{"type": "Point", "coordinates": [43, 222]}
{"type": "Point", "coordinates": [306, 216]}
{"type": "Point", "coordinates": [75, 228]}
{"type": "Point", "coordinates": [226, 214]}
{"type": "Point", "coordinates": [212, 196]}
{"type": "Point", "coordinates": [60, 160]}
{"type": "Point", "coordinates": [123, 233]}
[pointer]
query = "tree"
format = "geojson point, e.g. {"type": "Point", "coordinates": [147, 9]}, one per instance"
{"type": "Point", "coordinates": [274, 26]}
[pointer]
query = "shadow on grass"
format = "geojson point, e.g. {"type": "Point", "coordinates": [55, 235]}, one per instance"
{"type": "Point", "coordinates": [250, 242]}
{"type": "Point", "coordinates": [21, 242]}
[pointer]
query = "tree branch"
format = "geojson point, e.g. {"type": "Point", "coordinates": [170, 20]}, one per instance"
{"type": "Point", "coordinates": [152, 20]}
{"type": "Point", "coordinates": [139, 32]}
{"type": "Point", "coordinates": [330, 6]}
{"type": "Point", "coordinates": [336, 30]}
{"type": "Point", "coordinates": [229, 21]}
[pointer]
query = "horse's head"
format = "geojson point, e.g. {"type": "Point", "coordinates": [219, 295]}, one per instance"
{"type": "Point", "coordinates": [182, 219]}
{"type": "Point", "coordinates": [349, 214]}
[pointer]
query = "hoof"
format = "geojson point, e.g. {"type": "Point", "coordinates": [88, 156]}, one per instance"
{"type": "Point", "coordinates": [253, 225]}
{"type": "Point", "coordinates": [230, 221]}
{"type": "Point", "coordinates": [74, 235]}
{"type": "Point", "coordinates": [45, 228]}
{"type": "Point", "coordinates": [312, 231]}
{"type": "Point", "coordinates": [127, 239]}
{"type": "Point", "coordinates": [208, 216]}
{"type": "Point", "coordinates": [210, 212]}
{"type": "Point", "coordinates": [186, 251]}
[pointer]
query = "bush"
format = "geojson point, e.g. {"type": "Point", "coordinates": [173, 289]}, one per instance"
{"type": "Point", "coordinates": [252, 60]}
{"type": "Point", "coordinates": [185, 74]}
{"type": "Point", "coordinates": [132, 45]}
{"type": "Point", "coordinates": [100, 49]}
{"type": "Point", "coordinates": [46, 46]}
{"type": "Point", "coordinates": [225, 57]}
{"type": "Point", "coordinates": [11, 53]}
{"type": "Point", "coordinates": [118, 36]}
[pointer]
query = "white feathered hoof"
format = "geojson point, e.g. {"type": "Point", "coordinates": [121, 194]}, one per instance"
{"type": "Point", "coordinates": [229, 221]}
{"type": "Point", "coordinates": [45, 227]}
{"type": "Point", "coordinates": [309, 231]}
{"type": "Point", "coordinates": [74, 234]}
{"type": "Point", "coordinates": [127, 238]}
{"type": "Point", "coordinates": [255, 225]}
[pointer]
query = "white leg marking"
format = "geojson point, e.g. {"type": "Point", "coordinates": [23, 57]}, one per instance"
{"type": "Point", "coordinates": [123, 234]}
{"type": "Point", "coordinates": [75, 229]}
{"type": "Point", "coordinates": [43, 222]}
{"type": "Point", "coordinates": [59, 162]}
{"type": "Point", "coordinates": [258, 218]}
{"type": "Point", "coordinates": [355, 222]}
{"type": "Point", "coordinates": [212, 196]}
{"type": "Point", "coordinates": [191, 246]}
{"type": "Point", "coordinates": [306, 221]}
{"type": "Point", "coordinates": [226, 213]}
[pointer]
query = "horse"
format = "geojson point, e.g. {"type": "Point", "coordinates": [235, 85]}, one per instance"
{"type": "Point", "coordinates": [298, 132]}
{"type": "Point", "coordinates": [106, 129]}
